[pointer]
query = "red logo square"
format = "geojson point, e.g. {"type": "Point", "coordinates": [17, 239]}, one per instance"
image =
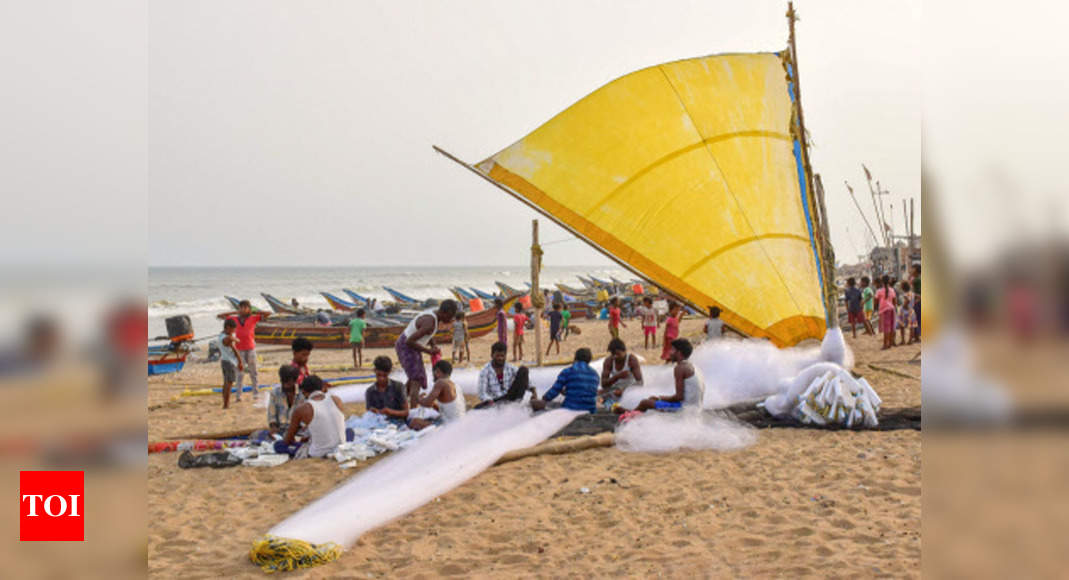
{"type": "Point", "coordinates": [51, 506]}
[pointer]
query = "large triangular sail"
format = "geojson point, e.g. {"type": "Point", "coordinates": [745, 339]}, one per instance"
{"type": "Point", "coordinates": [691, 174]}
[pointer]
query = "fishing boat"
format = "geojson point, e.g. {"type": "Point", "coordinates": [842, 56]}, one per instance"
{"type": "Point", "coordinates": [401, 298]}
{"type": "Point", "coordinates": [380, 332]}
{"type": "Point", "coordinates": [162, 360]}
{"type": "Point", "coordinates": [235, 302]}
{"type": "Point", "coordinates": [357, 298]}
{"type": "Point", "coordinates": [575, 292]}
{"type": "Point", "coordinates": [484, 295]}
{"type": "Point", "coordinates": [339, 304]}
{"type": "Point", "coordinates": [171, 357]}
{"type": "Point", "coordinates": [281, 307]}
{"type": "Point", "coordinates": [508, 291]}
{"type": "Point", "coordinates": [745, 228]}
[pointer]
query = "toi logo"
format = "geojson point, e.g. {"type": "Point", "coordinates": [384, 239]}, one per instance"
{"type": "Point", "coordinates": [51, 506]}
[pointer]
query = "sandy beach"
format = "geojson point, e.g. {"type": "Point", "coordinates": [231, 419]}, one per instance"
{"type": "Point", "coordinates": [799, 502]}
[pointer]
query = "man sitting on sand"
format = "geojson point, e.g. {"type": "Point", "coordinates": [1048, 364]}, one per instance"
{"type": "Point", "coordinates": [321, 416]}
{"type": "Point", "coordinates": [444, 395]}
{"type": "Point", "coordinates": [621, 370]}
{"type": "Point", "coordinates": [499, 381]}
{"type": "Point", "coordinates": [418, 338]}
{"type": "Point", "coordinates": [284, 398]}
{"type": "Point", "coordinates": [386, 396]}
{"type": "Point", "coordinates": [579, 383]}
{"type": "Point", "coordinates": [690, 387]}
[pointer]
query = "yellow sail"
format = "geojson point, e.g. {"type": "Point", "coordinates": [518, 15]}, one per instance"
{"type": "Point", "coordinates": [690, 174]}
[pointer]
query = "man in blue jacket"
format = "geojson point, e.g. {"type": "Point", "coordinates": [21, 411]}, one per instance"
{"type": "Point", "coordinates": [579, 383]}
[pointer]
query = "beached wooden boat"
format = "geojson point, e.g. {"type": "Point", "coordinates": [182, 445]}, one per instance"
{"type": "Point", "coordinates": [375, 335]}
{"type": "Point", "coordinates": [163, 360]}
{"type": "Point", "coordinates": [281, 307]}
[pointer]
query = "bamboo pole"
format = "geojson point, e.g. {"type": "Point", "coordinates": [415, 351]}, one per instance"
{"type": "Point", "coordinates": [560, 447]}
{"type": "Point", "coordinates": [863, 218]}
{"type": "Point", "coordinates": [537, 299]}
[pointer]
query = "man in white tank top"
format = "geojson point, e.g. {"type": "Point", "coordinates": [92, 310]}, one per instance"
{"type": "Point", "coordinates": [690, 387]}
{"type": "Point", "coordinates": [619, 371]}
{"type": "Point", "coordinates": [322, 415]}
{"type": "Point", "coordinates": [418, 339]}
{"type": "Point", "coordinates": [444, 395]}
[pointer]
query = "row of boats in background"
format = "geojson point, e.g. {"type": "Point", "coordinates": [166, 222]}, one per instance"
{"type": "Point", "coordinates": [386, 320]}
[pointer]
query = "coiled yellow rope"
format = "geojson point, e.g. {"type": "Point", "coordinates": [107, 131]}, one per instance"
{"type": "Point", "coordinates": [274, 554]}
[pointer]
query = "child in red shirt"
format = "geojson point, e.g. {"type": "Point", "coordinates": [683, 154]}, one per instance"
{"type": "Point", "coordinates": [614, 317]}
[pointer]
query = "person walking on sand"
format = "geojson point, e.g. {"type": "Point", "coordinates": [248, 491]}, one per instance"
{"type": "Point", "coordinates": [867, 294]}
{"type": "Point", "coordinates": [418, 338]}
{"type": "Point", "coordinates": [230, 359]}
{"type": "Point", "coordinates": [245, 333]}
{"type": "Point", "coordinates": [555, 318]}
{"type": "Point", "coordinates": [671, 329]}
{"type": "Point", "coordinates": [519, 321]}
{"type": "Point", "coordinates": [502, 322]}
{"type": "Point", "coordinates": [615, 317]}
{"type": "Point", "coordinates": [565, 324]}
{"type": "Point", "coordinates": [885, 298]}
{"type": "Point", "coordinates": [356, 337]}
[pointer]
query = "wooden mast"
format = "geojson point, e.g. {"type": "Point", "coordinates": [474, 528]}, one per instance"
{"type": "Point", "coordinates": [537, 300]}
{"type": "Point", "coordinates": [819, 210]}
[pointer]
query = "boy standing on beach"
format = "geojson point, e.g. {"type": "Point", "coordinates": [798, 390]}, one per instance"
{"type": "Point", "coordinates": [246, 329]}
{"type": "Point", "coordinates": [230, 360]}
{"type": "Point", "coordinates": [356, 337]}
{"type": "Point", "coordinates": [714, 327]}
{"type": "Point", "coordinates": [615, 321]}
{"type": "Point", "coordinates": [854, 312]}
{"type": "Point", "coordinates": [555, 318]}
{"type": "Point", "coordinates": [519, 321]}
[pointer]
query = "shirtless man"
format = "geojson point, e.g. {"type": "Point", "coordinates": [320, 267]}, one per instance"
{"type": "Point", "coordinates": [444, 395]}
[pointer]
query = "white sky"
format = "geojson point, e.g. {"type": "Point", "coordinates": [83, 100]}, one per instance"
{"type": "Point", "coordinates": [285, 133]}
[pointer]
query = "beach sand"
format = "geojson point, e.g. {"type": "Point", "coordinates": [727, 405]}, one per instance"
{"type": "Point", "coordinates": [799, 502]}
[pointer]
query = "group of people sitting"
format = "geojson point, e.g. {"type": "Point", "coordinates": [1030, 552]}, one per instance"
{"type": "Point", "coordinates": [301, 408]}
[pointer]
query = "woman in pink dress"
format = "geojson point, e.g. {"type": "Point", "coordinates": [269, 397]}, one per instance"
{"type": "Point", "coordinates": [885, 298]}
{"type": "Point", "coordinates": [671, 329]}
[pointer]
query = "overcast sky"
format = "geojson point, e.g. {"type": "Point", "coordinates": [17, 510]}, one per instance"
{"type": "Point", "coordinates": [285, 133]}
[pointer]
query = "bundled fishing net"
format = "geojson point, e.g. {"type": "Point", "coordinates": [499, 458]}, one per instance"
{"type": "Point", "coordinates": [275, 554]}
{"type": "Point", "coordinates": [827, 394]}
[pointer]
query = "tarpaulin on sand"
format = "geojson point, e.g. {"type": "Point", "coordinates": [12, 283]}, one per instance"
{"type": "Point", "coordinates": [688, 172]}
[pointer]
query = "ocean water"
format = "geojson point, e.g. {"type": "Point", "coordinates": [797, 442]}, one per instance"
{"type": "Point", "coordinates": [198, 291]}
